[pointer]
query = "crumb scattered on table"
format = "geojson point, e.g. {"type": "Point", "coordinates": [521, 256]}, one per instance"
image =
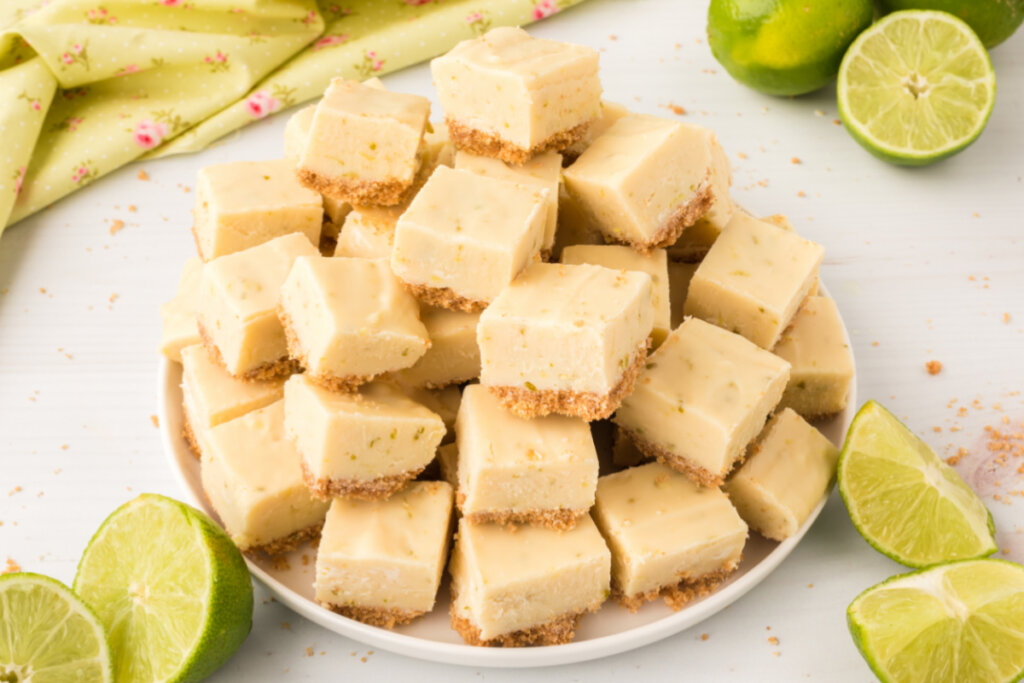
{"type": "Point", "coordinates": [116, 226]}
{"type": "Point", "coordinates": [934, 367]}
{"type": "Point", "coordinates": [143, 175]}
{"type": "Point", "coordinates": [11, 567]}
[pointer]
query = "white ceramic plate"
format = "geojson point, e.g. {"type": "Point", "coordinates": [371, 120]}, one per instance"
{"type": "Point", "coordinates": [610, 631]}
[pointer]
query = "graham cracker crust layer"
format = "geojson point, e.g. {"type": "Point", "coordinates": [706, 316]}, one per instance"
{"type": "Point", "coordinates": [693, 472]}
{"type": "Point", "coordinates": [195, 237]}
{"type": "Point", "coordinates": [677, 595]}
{"type": "Point", "coordinates": [443, 297]}
{"type": "Point", "coordinates": [282, 367]}
{"type": "Point", "coordinates": [384, 617]}
{"type": "Point", "coordinates": [559, 630]}
{"type": "Point", "coordinates": [528, 403]}
{"type": "Point", "coordinates": [348, 383]}
{"type": "Point", "coordinates": [378, 488]}
{"type": "Point", "coordinates": [484, 144]}
{"type": "Point", "coordinates": [682, 218]}
{"type": "Point", "coordinates": [558, 519]}
{"type": "Point", "coordinates": [286, 544]}
{"type": "Point", "coordinates": [189, 435]}
{"type": "Point", "coordinates": [374, 192]}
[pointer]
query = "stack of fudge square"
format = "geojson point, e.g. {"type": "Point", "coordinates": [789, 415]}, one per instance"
{"type": "Point", "coordinates": [399, 337]}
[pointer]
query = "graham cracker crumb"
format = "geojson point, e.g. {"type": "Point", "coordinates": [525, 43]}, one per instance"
{"type": "Point", "coordinates": [356, 192]}
{"type": "Point", "coordinates": [773, 640]}
{"type": "Point", "coordinates": [116, 226]}
{"type": "Point", "coordinates": [484, 144]}
{"type": "Point", "coordinates": [143, 175]}
{"type": "Point", "coordinates": [11, 567]}
{"type": "Point", "coordinates": [693, 472]}
{"type": "Point", "coordinates": [677, 595]}
{"type": "Point", "coordinates": [278, 547]}
{"type": "Point", "coordinates": [704, 636]}
{"type": "Point", "coordinates": [384, 617]}
{"type": "Point", "coordinates": [189, 434]}
{"type": "Point", "coordinates": [155, 420]}
{"type": "Point", "coordinates": [378, 488]}
{"type": "Point", "coordinates": [559, 630]}
{"type": "Point", "coordinates": [934, 367]}
{"type": "Point", "coordinates": [132, 208]}
{"type": "Point", "coordinates": [282, 367]}
{"type": "Point", "coordinates": [529, 403]}
{"type": "Point", "coordinates": [444, 297]}
{"type": "Point", "coordinates": [559, 519]}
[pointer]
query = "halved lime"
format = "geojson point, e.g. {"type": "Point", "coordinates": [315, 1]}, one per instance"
{"type": "Point", "coordinates": [961, 622]}
{"type": "Point", "coordinates": [904, 500]}
{"type": "Point", "coordinates": [916, 87]}
{"type": "Point", "coordinates": [48, 635]}
{"type": "Point", "coordinates": [171, 588]}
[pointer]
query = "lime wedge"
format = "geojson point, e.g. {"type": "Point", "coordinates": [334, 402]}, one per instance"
{"type": "Point", "coordinates": [961, 622]}
{"type": "Point", "coordinates": [916, 87]}
{"type": "Point", "coordinates": [904, 500]}
{"type": "Point", "coordinates": [48, 635]}
{"type": "Point", "coordinates": [171, 589]}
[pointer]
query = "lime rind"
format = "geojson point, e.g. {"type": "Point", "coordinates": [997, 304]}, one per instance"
{"type": "Point", "coordinates": [65, 657]}
{"type": "Point", "coordinates": [173, 627]}
{"type": "Point", "coordinates": [941, 519]}
{"type": "Point", "coordinates": [885, 87]}
{"type": "Point", "coordinates": [919, 616]}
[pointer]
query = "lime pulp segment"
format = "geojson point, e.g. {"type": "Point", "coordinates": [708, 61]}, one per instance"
{"type": "Point", "coordinates": [916, 87]}
{"type": "Point", "coordinates": [48, 635]}
{"type": "Point", "coordinates": [904, 500]}
{"type": "Point", "coordinates": [961, 622]}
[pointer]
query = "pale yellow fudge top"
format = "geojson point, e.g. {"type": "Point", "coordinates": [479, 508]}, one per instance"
{"type": "Point", "coordinates": [565, 327]}
{"type": "Point", "coordinates": [358, 239]}
{"type": "Point", "coordinates": [616, 257]}
{"type": "Point", "coordinates": [410, 526]}
{"type": "Point", "coordinates": [296, 130]}
{"type": "Point", "coordinates": [753, 278]}
{"type": "Point", "coordinates": [787, 472]}
{"type": "Point", "coordinates": [328, 299]}
{"type": "Point", "coordinates": [214, 396]}
{"type": "Point", "coordinates": [610, 113]}
{"type": "Point", "coordinates": [245, 186]}
{"type": "Point", "coordinates": [814, 342]}
{"type": "Point", "coordinates": [650, 511]}
{"type": "Point", "coordinates": [179, 314]}
{"type": "Point", "coordinates": [248, 282]}
{"type": "Point", "coordinates": [518, 87]}
{"type": "Point", "coordinates": [508, 462]}
{"type": "Point", "coordinates": [543, 171]}
{"type": "Point", "coordinates": [252, 474]}
{"type": "Point", "coordinates": [637, 175]}
{"type": "Point", "coordinates": [362, 132]}
{"type": "Point", "coordinates": [468, 232]}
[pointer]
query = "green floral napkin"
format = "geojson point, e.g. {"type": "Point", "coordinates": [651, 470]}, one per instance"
{"type": "Point", "coordinates": [89, 85]}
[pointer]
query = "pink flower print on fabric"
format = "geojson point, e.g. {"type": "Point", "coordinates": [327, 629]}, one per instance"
{"type": "Point", "coordinates": [261, 103]}
{"type": "Point", "coordinates": [149, 134]}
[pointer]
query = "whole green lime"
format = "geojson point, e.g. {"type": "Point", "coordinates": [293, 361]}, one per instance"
{"type": "Point", "coordinates": [784, 47]}
{"type": "Point", "coordinates": [993, 20]}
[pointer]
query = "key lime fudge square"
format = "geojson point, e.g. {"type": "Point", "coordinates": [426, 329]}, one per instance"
{"type": "Point", "coordinates": [703, 396]}
{"type": "Point", "coordinates": [365, 444]}
{"type": "Point", "coordinates": [668, 536]}
{"type": "Point", "coordinates": [566, 339]}
{"type": "Point", "coordinates": [380, 561]}
{"type": "Point", "coordinates": [178, 316]}
{"type": "Point", "coordinates": [617, 257]}
{"type": "Point", "coordinates": [610, 113]}
{"type": "Point", "coordinates": [348, 320]}
{"type": "Point", "coordinates": [453, 356]}
{"type": "Point", "coordinates": [514, 470]}
{"type": "Point", "coordinates": [210, 396]}
{"type": "Point", "coordinates": [237, 312]}
{"type": "Point", "coordinates": [364, 143]}
{"type": "Point", "coordinates": [543, 171]}
{"type": "Point", "coordinates": [466, 236]}
{"type": "Point", "coordinates": [787, 471]}
{"type": "Point", "coordinates": [510, 96]}
{"type": "Point", "coordinates": [528, 585]}
{"type": "Point", "coordinates": [754, 279]}
{"type": "Point", "coordinates": [243, 204]}
{"type": "Point", "coordinates": [645, 180]}
{"type": "Point", "coordinates": [814, 344]}
{"type": "Point", "coordinates": [252, 475]}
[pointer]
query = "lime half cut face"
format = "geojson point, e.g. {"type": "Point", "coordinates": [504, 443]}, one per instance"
{"type": "Point", "coordinates": [916, 87]}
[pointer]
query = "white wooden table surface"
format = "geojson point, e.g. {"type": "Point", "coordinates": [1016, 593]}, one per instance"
{"type": "Point", "coordinates": [925, 264]}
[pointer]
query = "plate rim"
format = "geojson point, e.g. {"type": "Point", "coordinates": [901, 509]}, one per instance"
{"type": "Point", "coordinates": [467, 655]}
